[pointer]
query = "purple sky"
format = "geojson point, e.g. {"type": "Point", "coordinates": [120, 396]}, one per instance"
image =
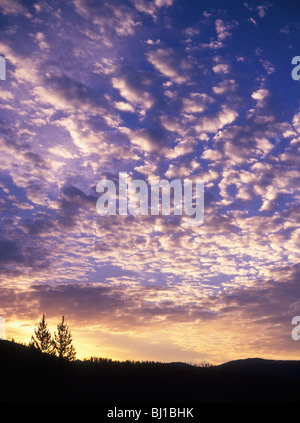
{"type": "Point", "coordinates": [158, 89]}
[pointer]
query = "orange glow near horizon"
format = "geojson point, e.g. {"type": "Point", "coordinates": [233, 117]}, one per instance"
{"type": "Point", "coordinates": [212, 346]}
{"type": "Point", "coordinates": [154, 90]}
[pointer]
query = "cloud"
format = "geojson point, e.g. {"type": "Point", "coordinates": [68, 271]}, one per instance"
{"type": "Point", "coordinates": [24, 68]}
{"type": "Point", "coordinates": [196, 103]}
{"type": "Point", "coordinates": [12, 7]}
{"type": "Point", "coordinates": [221, 68]}
{"type": "Point", "coordinates": [149, 140]}
{"type": "Point", "coordinates": [151, 7]}
{"type": "Point", "coordinates": [216, 122]}
{"type": "Point", "coordinates": [268, 66]}
{"type": "Point", "coordinates": [183, 169]}
{"type": "Point", "coordinates": [261, 95]}
{"type": "Point", "coordinates": [261, 10]}
{"type": "Point", "coordinates": [163, 3]}
{"type": "Point", "coordinates": [212, 155]}
{"type": "Point", "coordinates": [117, 16]}
{"type": "Point", "coordinates": [106, 66]}
{"type": "Point", "coordinates": [184, 146]}
{"type": "Point", "coordinates": [111, 306]}
{"type": "Point", "coordinates": [64, 93]}
{"type": "Point", "coordinates": [168, 62]}
{"type": "Point", "coordinates": [9, 251]}
{"type": "Point", "coordinates": [225, 86]}
{"type": "Point", "coordinates": [38, 226]}
{"type": "Point", "coordinates": [253, 21]}
{"type": "Point", "coordinates": [40, 38]}
{"type": "Point", "coordinates": [73, 196]}
{"type": "Point", "coordinates": [135, 88]}
{"type": "Point", "coordinates": [224, 29]}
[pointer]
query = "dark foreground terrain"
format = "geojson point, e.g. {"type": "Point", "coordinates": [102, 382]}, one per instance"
{"type": "Point", "coordinates": [28, 376]}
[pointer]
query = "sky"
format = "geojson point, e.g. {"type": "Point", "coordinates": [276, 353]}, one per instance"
{"type": "Point", "coordinates": [160, 89]}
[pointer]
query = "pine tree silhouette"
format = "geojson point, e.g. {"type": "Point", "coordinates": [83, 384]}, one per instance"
{"type": "Point", "coordinates": [63, 342]}
{"type": "Point", "coordinates": [41, 339]}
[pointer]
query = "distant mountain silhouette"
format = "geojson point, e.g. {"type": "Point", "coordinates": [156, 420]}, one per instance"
{"type": "Point", "coordinates": [289, 369]}
{"type": "Point", "coordinates": [179, 364]}
{"type": "Point", "coordinates": [31, 377]}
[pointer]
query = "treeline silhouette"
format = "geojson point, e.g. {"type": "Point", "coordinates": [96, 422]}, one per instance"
{"type": "Point", "coordinates": [31, 376]}
{"type": "Point", "coordinates": [60, 344]}
{"type": "Point", "coordinates": [101, 360]}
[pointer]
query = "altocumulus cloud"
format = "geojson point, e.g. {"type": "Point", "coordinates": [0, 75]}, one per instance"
{"type": "Point", "coordinates": [159, 89]}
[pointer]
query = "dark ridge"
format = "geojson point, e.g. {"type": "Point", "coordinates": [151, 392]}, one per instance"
{"type": "Point", "coordinates": [179, 364]}
{"type": "Point", "coordinates": [289, 369]}
{"type": "Point", "coordinates": [28, 376]}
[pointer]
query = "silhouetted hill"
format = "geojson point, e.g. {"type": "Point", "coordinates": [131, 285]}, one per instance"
{"type": "Point", "coordinates": [179, 364]}
{"type": "Point", "coordinates": [289, 369]}
{"type": "Point", "coordinates": [30, 376]}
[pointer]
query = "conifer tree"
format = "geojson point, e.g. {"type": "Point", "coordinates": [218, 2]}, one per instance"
{"type": "Point", "coordinates": [63, 342]}
{"type": "Point", "coordinates": [41, 339]}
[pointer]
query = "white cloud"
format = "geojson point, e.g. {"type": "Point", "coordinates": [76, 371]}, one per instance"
{"type": "Point", "coordinates": [108, 16]}
{"type": "Point", "coordinates": [216, 122]}
{"type": "Point", "coordinates": [253, 21]}
{"type": "Point", "coordinates": [132, 93]}
{"type": "Point", "coordinates": [212, 155]}
{"type": "Point", "coordinates": [225, 86]}
{"type": "Point", "coordinates": [106, 66]}
{"type": "Point", "coordinates": [6, 95]}
{"type": "Point", "coordinates": [261, 10]}
{"type": "Point", "coordinates": [151, 8]}
{"type": "Point", "coordinates": [184, 146]}
{"type": "Point", "coordinates": [40, 38]}
{"type": "Point", "coordinates": [25, 67]}
{"type": "Point", "coordinates": [163, 3]}
{"type": "Point", "coordinates": [260, 95]}
{"type": "Point", "coordinates": [124, 107]}
{"type": "Point", "coordinates": [224, 29]}
{"type": "Point", "coordinates": [147, 140]}
{"type": "Point", "coordinates": [182, 170]}
{"type": "Point", "coordinates": [197, 103]}
{"type": "Point", "coordinates": [12, 7]}
{"type": "Point", "coordinates": [221, 68]}
{"type": "Point", "coordinates": [167, 62]}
